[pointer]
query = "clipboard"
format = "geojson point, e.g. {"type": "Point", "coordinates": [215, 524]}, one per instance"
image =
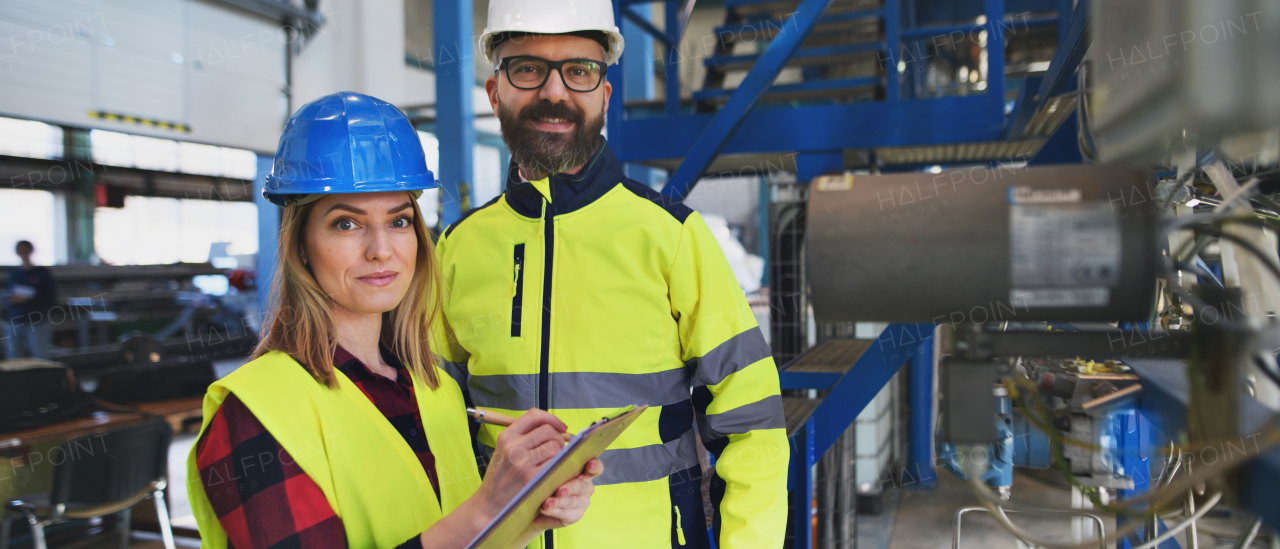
{"type": "Point", "coordinates": [561, 468]}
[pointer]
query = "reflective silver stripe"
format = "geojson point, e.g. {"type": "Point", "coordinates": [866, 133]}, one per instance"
{"type": "Point", "coordinates": [762, 414]}
{"type": "Point", "coordinates": [646, 463]}
{"type": "Point", "coordinates": [576, 390]}
{"type": "Point", "coordinates": [505, 392]}
{"type": "Point", "coordinates": [733, 355]}
{"type": "Point", "coordinates": [457, 371]}
{"type": "Point", "coordinates": [572, 390]}
{"type": "Point", "coordinates": [643, 464]}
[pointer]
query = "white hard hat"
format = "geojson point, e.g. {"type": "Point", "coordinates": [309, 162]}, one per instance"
{"type": "Point", "coordinates": [552, 17]}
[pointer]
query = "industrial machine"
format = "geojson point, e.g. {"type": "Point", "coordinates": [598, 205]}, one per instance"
{"type": "Point", "coordinates": [1091, 330]}
{"type": "Point", "coordinates": [101, 309]}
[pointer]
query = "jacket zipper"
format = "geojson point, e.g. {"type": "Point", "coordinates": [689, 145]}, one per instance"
{"type": "Point", "coordinates": [517, 290]}
{"type": "Point", "coordinates": [544, 361]}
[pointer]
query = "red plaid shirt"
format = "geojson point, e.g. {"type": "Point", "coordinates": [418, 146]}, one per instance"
{"type": "Point", "coordinates": [268, 502]}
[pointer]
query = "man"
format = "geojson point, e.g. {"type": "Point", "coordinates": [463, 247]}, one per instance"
{"type": "Point", "coordinates": [31, 296]}
{"type": "Point", "coordinates": [580, 291]}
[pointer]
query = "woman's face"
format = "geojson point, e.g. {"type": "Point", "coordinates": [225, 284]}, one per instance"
{"type": "Point", "coordinates": [362, 249]}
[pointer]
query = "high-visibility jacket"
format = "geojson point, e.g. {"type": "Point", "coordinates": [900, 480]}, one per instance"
{"type": "Point", "coordinates": [366, 470]}
{"type": "Point", "coordinates": [583, 294]}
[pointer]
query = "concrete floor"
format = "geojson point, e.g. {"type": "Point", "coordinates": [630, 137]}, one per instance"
{"type": "Point", "coordinates": [912, 518]}
{"type": "Point", "coordinates": [925, 518]}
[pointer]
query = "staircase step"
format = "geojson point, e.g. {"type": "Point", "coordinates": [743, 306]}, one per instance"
{"type": "Point", "coordinates": [798, 90]}
{"type": "Point", "coordinates": [768, 28]}
{"type": "Point", "coordinates": [809, 56]}
{"type": "Point", "coordinates": [747, 7]}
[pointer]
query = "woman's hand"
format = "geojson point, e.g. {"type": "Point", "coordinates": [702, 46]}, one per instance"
{"type": "Point", "coordinates": [522, 450]}
{"type": "Point", "coordinates": [570, 501]}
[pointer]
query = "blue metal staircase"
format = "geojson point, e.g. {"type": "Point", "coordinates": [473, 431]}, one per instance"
{"type": "Point", "coordinates": [856, 79]}
{"type": "Point", "coordinates": [858, 82]}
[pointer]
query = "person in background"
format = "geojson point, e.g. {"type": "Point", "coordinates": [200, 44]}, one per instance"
{"type": "Point", "coordinates": [28, 331]}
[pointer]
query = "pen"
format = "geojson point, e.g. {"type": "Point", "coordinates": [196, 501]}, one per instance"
{"type": "Point", "coordinates": [494, 418]}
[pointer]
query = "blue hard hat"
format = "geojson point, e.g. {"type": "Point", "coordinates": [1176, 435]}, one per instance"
{"type": "Point", "coordinates": [347, 143]}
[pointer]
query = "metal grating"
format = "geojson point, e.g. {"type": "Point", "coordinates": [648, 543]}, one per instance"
{"type": "Point", "coordinates": [788, 281]}
{"type": "Point", "coordinates": [797, 411]}
{"type": "Point", "coordinates": [831, 356]}
{"type": "Point", "coordinates": [961, 152]}
{"type": "Point", "coordinates": [1054, 112]}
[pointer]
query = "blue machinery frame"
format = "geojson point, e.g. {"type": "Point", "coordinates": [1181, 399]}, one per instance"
{"type": "Point", "coordinates": [827, 129]}
{"type": "Point", "coordinates": [848, 394]}
{"type": "Point", "coordinates": [455, 113]}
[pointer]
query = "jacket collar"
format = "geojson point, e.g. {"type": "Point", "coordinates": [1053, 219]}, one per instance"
{"type": "Point", "coordinates": [565, 193]}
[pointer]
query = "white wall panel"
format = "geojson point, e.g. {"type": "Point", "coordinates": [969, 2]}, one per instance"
{"type": "Point", "coordinates": [214, 68]}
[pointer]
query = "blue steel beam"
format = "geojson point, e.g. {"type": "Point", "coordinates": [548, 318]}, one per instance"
{"type": "Point", "coordinates": [1073, 42]}
{"type": "Point", "coordinates": [800, 482]}
{"type": "Point", "coordinates": [1022, 109]}
{"type": "Point", "coordinates": [455, 113]}
{"type": "Point", "coordinates": [922, 412]}
{"type": "Point", "coordinates": [815, 128]}
{"type": "Point", "coordinates": [268, 235]}
{"type": "Point", "coordinates": [1070, 52]}
{"type": "Point", "coordinates": [896, 345]}
{"type": "Point", "coordinates": [1165, 400]}
{"type": "Point", "coordinates": [812, 85]}
{"type": "Point", "coordinates": [995, 62]}
{"type": "Point", "coordinates": [810, 165]}
{"type": "Point", "coordinates": [672, 60]}
{"type": "Point", "coordinates": [927, 32]}
{"type": "Point", "coordinates": [775, 24]}
{"type": "Point", "coordinates": [616, 112]}
{"type": "Point", "coordinates": [892, 46]}
{"type": "Point", "coordinates": [802, 55]}
{"type": "Point", "coordinates": [731, 116]}
{"type": "Point", "coordinates": [637, 63]}
{"type": "Point", "coordinates": [644, 24]}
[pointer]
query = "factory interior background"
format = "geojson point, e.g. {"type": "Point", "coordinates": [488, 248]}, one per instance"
{"type": "Point", "coordinates": [1043, 231]}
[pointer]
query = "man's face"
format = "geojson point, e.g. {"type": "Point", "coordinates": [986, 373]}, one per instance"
{"type": "Point", "coordinates": [551, 129]}
{"type": "Point", "coordinates": [24, 251]}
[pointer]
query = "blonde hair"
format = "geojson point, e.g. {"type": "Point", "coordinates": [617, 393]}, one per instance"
{"type": "Point", "coordinates": [301, 318]}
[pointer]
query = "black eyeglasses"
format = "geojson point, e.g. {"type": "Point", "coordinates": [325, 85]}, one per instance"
{"type": "Point", "coordinates": [527, 72]}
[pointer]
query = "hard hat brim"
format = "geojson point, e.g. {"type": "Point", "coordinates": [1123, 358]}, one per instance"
{"type": "Point", "coordinates": [282, 189]}
{"type": "Point", "coordinates": [612, 54]}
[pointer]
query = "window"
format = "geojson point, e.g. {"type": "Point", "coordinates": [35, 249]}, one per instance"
{"type": "Point", "coordinates": [28, 215]}
{"type": "Point", "coordinates": [149, 231]}
{"type": "Point", "coordinates": [167, 155]}
{"type": "Point", "coordinates": [30, 139]}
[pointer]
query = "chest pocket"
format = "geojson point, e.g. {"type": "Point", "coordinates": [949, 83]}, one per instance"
{"type": "Point", "coordinates": [517, 289]}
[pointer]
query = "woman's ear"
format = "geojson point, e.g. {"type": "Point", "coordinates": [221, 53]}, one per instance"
{"type": "Point", "coordinates": [302, 253]}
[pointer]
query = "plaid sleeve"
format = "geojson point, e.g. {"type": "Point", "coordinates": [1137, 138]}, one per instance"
{"type": "Point", "coordinates": [260, 494]}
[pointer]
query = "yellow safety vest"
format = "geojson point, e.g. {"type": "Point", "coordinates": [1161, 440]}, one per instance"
{"type": "Point", "coordinates": [373, 481]}
{"type": "Point", "coordinates": [582, 294]}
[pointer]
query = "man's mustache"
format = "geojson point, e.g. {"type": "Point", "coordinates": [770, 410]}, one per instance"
{"type": "Point", "coordinates": [547, 109]}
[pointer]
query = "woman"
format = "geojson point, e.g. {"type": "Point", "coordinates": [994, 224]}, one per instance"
{"type": "Point", "coordinates": [342, 431]}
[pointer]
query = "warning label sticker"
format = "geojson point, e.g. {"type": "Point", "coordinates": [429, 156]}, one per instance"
{"type": "Point", "coordinates": [1059, 297]}
{"type": "Point", "coordinates": [1064, 246]}
{"type": "Point", "coordinates": [1043, 195]}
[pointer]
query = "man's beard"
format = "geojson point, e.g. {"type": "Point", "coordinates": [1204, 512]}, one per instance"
{"type": "Point", "coordinates": [544, 153]}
